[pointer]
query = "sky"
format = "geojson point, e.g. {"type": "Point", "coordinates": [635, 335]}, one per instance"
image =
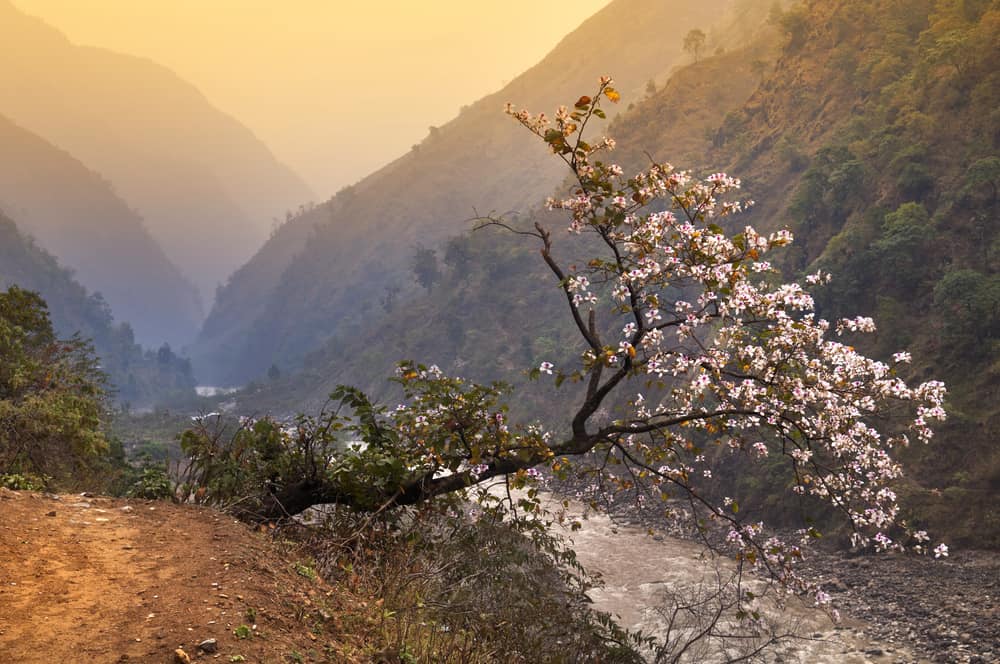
{"type": "Point", "coordinates": [321, 81]}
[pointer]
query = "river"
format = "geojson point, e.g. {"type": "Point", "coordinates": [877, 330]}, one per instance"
{"type": "Point", "coordinates": [640, 572]}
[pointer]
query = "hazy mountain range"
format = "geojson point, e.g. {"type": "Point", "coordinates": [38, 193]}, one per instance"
{"type": "Point", "coordinates": [138, 376]}
{"type": "Point", "coordinates": [207, 189]}
{"type": "Point", "coordinates": [74, 213]}
{"type": "Point", "coordinates": [294, 294]}
{"type": "Point", "coordinates": [869, 128]}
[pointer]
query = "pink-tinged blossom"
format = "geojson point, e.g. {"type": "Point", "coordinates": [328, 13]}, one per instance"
{"type": "Point", "coordinates": [738, 358]}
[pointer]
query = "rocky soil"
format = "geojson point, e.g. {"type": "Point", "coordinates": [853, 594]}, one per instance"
{"type": "Point", "coordinates": [98, 580]}
{"type": "Point", "coordinates": [947, 610]}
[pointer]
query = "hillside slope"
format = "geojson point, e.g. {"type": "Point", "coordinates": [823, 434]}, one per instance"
{"type": "Point", "coordinates": [99, 580]}
{"type": "Point", "coordinates": [363, 240]}
{"type": "Point", "coordinates": [482, 320]}
{"type": "Point", "coordinates": [876, 144]}
{"type": "Point", "coordinates": [76, 215]}
{"type": "Point", "coordinates": [207, 188]}
{"type": "Point", "coordinates": [877, 141]}
{"type": "Point", "coordinates": [138, 376]}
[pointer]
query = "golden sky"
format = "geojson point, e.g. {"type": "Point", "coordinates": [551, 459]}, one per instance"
{"type": "Point", "coordinates": [335, 88]}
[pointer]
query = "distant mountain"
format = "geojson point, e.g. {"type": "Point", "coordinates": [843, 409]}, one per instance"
{"type": "Point", "coordinates": [481, 320]}
{"type": "Point", "coordinates": [332, 264]}
{"type": "Point", "coordinates": [76, 215]}
{"type": "Point", "coordinates": [140, 377]}
{"type": "Point", "coordinates": [207, 188]}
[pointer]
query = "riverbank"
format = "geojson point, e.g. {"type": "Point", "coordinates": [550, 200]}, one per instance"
{"type": "Point", "coordinates": [894, 608]}
{"type": "Point", "coordinates": [946, 610]}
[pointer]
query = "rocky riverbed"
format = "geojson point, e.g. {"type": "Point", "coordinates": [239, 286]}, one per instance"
{"type": "Point", "coordinates": [946, 610]}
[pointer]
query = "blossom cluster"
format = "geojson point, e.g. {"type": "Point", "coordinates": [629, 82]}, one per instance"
{"type": "Point", "coordinates": [742, 360]}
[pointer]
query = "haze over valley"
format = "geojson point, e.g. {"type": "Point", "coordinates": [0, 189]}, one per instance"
{"type": "Point", "coordinates": [456, 275]}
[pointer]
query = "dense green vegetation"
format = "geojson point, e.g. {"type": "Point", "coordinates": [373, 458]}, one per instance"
{"type": "Point", "coordinates": [55, 400]}
{"type": "Point", "coordinates": [137, 376]}
{"type": "Point", "coordinates": [898, 200]}
{"type": "Point", "coordinates": [51, 397]}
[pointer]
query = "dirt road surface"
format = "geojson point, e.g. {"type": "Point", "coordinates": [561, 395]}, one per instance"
{"type": "Point", "coordinates": [94, 580]}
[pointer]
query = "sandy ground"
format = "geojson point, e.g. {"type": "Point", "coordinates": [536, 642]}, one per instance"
{"type": "Point", "coordinates": [99, 580]}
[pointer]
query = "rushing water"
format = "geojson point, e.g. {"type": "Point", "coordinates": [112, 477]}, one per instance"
{"type": "Point", "coordinates": [212, 391]}
{"type": "Point", "coordinates": [642, 573]}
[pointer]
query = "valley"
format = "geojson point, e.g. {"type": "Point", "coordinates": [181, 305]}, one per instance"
{"type": "Point", "coordinates": [721, 275]}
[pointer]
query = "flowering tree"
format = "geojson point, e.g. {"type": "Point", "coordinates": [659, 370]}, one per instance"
{"type": "Point", "coordinates": [709, 350]}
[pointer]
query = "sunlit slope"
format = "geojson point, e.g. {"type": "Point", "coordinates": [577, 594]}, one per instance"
{"type": "Point", "coordinates": [479, 161]}
{"type": "Point", "coordinates": [206, 187]}
{"type": "Point", "coordinates": [75, 214]}
{"type": "Point", "coordinates": [877, 141]}
{"type": "Point", "coordinates": [878, 147]}
{"type": "Point", "coordinates": [496, 310]}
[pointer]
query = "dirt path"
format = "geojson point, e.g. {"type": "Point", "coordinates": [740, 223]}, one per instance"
{"type": "Point", "coordinates": [99, 580]}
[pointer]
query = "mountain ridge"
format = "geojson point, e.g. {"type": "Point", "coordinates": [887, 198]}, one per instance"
{"type": "Point", "coordinates": [880, 156]}
{"type": "Point", "coordinates": [478, 161]}
{"type": "Point", "coordinates": [139, 377]}
{"type": "Point", "coordinates": [206, 185]}
{"type": "Point", "coordinates": [75, 214]}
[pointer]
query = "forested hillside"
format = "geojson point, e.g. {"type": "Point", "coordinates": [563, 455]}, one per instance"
{"type": "Point", "coordinates": [206, 187]}
{"type": "Point", "coordinates": [75, 214]}
{"type": "Point", "coordinates": [137, 376]}
{"type": "Point", "coordinates": [875, 141]}
{"type": "Point", "coordinates": [306, 285]}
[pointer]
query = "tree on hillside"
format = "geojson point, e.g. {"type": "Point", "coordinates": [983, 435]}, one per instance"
{"type": "Point", "coordinates": [691, 348]}
{"type": "Point", "coordinates": [795, 24]}
{"type": "Point", "coordinates": [425, 267]}
{"type": "Point", "coordinates": [694, 41]}
{"type": "Point", "coordinates": [51, 393]}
